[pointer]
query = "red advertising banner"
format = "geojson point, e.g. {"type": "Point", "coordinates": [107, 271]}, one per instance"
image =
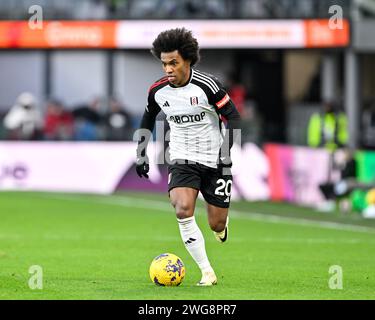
{"type": "Point", "coordinates": [210, 33]}
{"type": "Point", "coordinates": [58, 34]}
{"type": "Point", "coordinates": [322, 33]}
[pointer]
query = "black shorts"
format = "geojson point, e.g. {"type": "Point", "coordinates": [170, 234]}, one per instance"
{"type": "Point", "coordinates": [214, 186]}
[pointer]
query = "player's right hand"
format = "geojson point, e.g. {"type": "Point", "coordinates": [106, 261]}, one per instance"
{"type": "Point", "coordinates": [142, 167]}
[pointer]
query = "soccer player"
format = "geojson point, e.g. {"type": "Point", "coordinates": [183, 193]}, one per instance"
{"type": "Point", "coordinates": [194, 103]}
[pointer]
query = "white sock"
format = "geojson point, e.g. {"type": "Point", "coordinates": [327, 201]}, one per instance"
{"type": "Point", "coordinates": [194, 242]}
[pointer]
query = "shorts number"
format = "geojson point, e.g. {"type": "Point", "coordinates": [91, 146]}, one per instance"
{"type": "Point", "coordinates": [226, 185]}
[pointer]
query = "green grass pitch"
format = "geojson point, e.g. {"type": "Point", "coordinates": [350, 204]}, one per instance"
{"type": "Point", "coordinates": [100, 247]}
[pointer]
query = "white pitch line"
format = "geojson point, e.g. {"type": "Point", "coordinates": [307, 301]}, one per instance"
{"type": "Point", "coordinates": [255, 216]}
{"type": "Point", "coordinates": [263, 217]}
{"type": "Point", "coordinates": [61, 237]}
{"type": "Point", "coordinates": [127, 237]}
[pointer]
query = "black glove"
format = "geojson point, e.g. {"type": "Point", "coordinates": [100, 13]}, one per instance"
{"type": "Point", "coordinates": [142, 167]}
{"type": "Point", "coordinates": [224, 164]}
{"type": "Point", "coordinates": [224, 161]}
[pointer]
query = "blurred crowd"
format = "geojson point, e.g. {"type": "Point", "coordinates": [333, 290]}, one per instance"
{"type": "Point", "coordinates": [89, 122]}
{"type": "Point", "coordinates": [167, 9]}
{"type": "Point", "coordinates": [104, 119]}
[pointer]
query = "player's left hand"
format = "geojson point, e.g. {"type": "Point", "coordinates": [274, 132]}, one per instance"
{"type": "Point", "coordinates": [224, 162]}
{"type": "Point", "coordinates": [142, 167]}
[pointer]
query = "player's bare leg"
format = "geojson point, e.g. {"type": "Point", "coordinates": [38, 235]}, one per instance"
{"type": "Point", "coordinates": [183, 200]}
{"type": "Point", "coordinates": [218, 219]}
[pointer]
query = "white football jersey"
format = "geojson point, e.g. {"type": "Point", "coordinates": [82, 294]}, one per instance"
{"type": "Point", "coordinates": [192, 112]}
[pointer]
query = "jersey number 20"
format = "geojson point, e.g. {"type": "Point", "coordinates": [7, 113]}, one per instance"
{"type": "Point", "coordinates": [224, 187]}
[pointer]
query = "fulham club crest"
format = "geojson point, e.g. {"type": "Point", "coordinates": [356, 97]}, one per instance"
{"type": "Point", "coordinates": [194, 101]}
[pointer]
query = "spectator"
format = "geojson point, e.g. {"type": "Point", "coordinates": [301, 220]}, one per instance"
{"type": "Point", "coordinates": [87, 121]}
{"type": "Point", "coordinates": [349, 188]}
{"type": "Point", "coordinates": [237, 93]}
{"type": "Point", "coordinates": [58, 123]}
{"type": "Point", "coordinates": [368, 127]}
{"type": "Point", "coordinates": [247, 107]}
{"type": "Point", "coordinates": [118, 122]}
{"type": "Point", "coordinates": [24, 120]}
{"type": "Point", "coordinates": [328, 129]}
{"type": "Point", "coordinates": [339, 190]}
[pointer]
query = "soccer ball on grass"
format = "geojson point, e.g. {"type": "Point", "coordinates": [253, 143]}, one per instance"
{"type": "Point", "coordinates": [167, 270]}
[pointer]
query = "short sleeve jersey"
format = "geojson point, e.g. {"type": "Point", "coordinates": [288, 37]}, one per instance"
{"type": "Point", "coordinates": [193, 114]}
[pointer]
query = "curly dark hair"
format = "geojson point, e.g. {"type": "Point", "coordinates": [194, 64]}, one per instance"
{"type": "Point", "coordinates": [177, 39]}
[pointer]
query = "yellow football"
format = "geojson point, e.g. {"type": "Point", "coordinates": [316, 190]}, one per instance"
{"type": "Point", "coordinates": [167, 270]}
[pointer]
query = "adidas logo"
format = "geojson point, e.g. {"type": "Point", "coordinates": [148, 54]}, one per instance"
{"type": "Point", "coordinates": [166, 104]}
{"type": "Point", "coordinates": [191, 240]}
